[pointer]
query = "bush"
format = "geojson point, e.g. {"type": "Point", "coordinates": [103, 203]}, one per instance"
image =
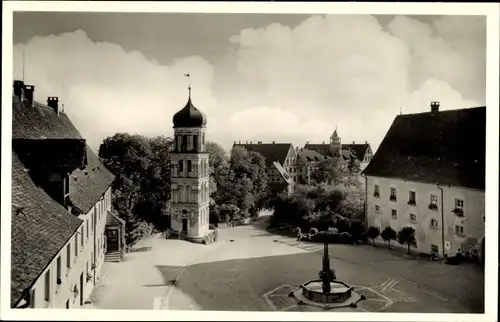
{"type": "Point", "coordinates": [313, 231]}
{"type": "Point", "coordinates": [332, 237]}
{"type": "Point", "coordinates": [212, 227]}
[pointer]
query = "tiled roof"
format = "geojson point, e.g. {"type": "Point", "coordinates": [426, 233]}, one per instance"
{"type": "Point", "coordinates": [270, 151]}
{"type": "Point", "coordinates": [113, 219]}
{"type": "Point", "coordinates": [87, 186]}
{"type": "Point", "coordinates": [448, 147]}
{"type": "Point", "coordinates": [40, 227]}
{"type": "Point", "coordinates": [283, 173]}
{"type": "Point", "coordinates": [359, 150]}
{"type": "Point", "coordinates": [324, 149]}
{"type": "Point", "coordinates": [308, 156]}
{"type": "Point", "coordinates": [40, 122]}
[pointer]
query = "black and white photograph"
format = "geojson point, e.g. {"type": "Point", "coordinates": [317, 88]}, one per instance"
{"type": "Point", "coordinates": [280, 162]}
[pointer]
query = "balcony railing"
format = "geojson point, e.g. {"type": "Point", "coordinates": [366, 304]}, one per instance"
{"type": "Point", "coordinates": [392, 198]}
{"type": "Point", "coordinates": [412, 202]}
{"type": "Point", "coordinates": [376, 195]}
{"type": "Point", "coordinates": [433, 206]}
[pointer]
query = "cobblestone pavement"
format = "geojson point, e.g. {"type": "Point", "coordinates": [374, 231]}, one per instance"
{"type": "Point", "coordinates": [251, 269]}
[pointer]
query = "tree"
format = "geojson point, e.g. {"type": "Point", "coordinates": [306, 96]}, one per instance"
{"type": "Point", "coordinates": [357, 228]}
{"type": "Point", "coordinates": [331, 169]}
{"type": "Point", "coordinates": [373, 233]}
{"type": "Point", "coordinates": [229, 212]}
{"type": "Point", "coordinates": [406, 236]}
{"type": "Point", "coordinates": [388, 234]}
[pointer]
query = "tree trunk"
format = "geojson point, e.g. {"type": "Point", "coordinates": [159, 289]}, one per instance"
{"type": "Point", "coordinates": [389, 244]}
{"type": "Point", "coordinates": [409, 249]}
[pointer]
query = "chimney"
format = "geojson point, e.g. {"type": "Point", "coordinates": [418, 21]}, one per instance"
{"type": "Point", "coordinates": [260, 142]}
{"type": "Point", "coordinates": [251, 142]}
{"type": "Point", "coordinates": [434, 108]}
{"type": "Point", "coordinates": [53, 101]}
{"type": "Point", "coordinates": [323, 142]}
{"type": "Point", "coordinates": [353, 142]}
{"type": "Point", "coordinates": [239, 142]}
{"type": "Point", "coordinates": [366, 142]}
{"type": "Point", "coordinates": [19, 89]}
{"type": "Point", "coordinates": [28, 94]}
{"type": "Point", "coordinates": [273, 142]}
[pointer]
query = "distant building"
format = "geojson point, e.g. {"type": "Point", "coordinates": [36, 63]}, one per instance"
{"type": "Point", "coordinates": [61, 199]}
{"type": "Point", "coordinates": [361, 152]}
{"type": "Point", "coordinates": [189, 201]}
{"type": "Point", "coordinates": [429, 173]}
{"type": "Point", "coordinates": [281, 164]}
{"type": "Point", "coordinates": [307, 161]}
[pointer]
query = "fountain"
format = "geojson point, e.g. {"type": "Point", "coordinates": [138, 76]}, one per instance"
{"type": "Point", "coordinates": [327, 292]}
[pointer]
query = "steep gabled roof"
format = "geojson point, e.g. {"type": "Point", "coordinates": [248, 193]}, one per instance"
{"type": "Point", "coordinates": [40, 122]}
{"type": "Point", "coordinates": [324, 149]}
{"type": "Point", "coordinates": [283, 173]}
{"type": "Point", "coordinates": [86, 186]}
{"type": "Point", "coordinates": [448, 147]}
{"type": "Point", "coordinates": [308, 156]}
{"type": "Point", "coordinates": [113, 219]}
{"type": "Point", "coordinates": [359, 150]}
{"type": "Point", "coordinates": [270, 151]}
{"type": "Point", "coordinates": [40, 228]}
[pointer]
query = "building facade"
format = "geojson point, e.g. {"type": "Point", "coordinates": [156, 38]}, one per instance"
{"type": "Point", "coordinates": [422, 177]}
{"type": "Point", "coordinates": [281, 163]}
{"type": "Point", "coordinates": [190, 192]}
{"type": "Point", "coordinates": [61, 196]}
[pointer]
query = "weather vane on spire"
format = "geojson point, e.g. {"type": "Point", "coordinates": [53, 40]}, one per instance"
{"type": "Point", "coordinates": [189, 87]}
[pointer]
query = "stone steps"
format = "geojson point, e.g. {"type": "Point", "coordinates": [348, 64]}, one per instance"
{"type": "Point", "coordinates": [113, 257]}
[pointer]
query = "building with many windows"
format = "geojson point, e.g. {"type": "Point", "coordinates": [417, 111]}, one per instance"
{"type": "Point", "coordinates": [61, 198]}
{"type": "Point", "coordinates": [429, 173]}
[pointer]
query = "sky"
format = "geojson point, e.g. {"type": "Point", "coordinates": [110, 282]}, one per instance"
{"type": "Point", "coordinates": [258, 77]}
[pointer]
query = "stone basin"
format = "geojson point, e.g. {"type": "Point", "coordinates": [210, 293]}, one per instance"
{"type": "Point", "coordinates": [341, 295]}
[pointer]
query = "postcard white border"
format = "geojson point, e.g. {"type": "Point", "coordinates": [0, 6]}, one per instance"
{"type": "Point", "coordinates": [490, 10]}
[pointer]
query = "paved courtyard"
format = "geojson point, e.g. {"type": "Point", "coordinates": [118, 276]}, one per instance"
{"type": "Point", "coordinates": [251, 269]}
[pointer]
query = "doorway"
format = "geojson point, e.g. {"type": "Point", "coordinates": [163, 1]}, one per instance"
{"type": "Point", "coordinates": [112, 240]}
{"type": "Point", "coordinates": [184, 225]}
{"type": "Point", "coordinates": [81, 289]}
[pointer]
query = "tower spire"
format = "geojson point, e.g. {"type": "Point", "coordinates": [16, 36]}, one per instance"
{"type": "Point", "coordinates": [189, 86]}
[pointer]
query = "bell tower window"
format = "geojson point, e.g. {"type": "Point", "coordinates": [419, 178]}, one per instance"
{"type": "Point", "coordinates": [195, 142]}
{"type": "Point", "coordinates": [181, 167]}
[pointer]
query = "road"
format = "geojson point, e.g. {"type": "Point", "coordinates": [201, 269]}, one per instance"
{"type": "Point", "coordinates": [250, 269]}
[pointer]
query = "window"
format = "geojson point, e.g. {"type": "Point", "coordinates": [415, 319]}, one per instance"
{"type": "Point", "coordinates": [68, 256]}
{"type": "Point", "coordinates": [47, 285]}
{"type": "Point", "coordinates": [32, 298]}
{"type": "Point", "coordinates": [87, 223]}
{"type": "Point", "coordinates": [459, 204]}
{"type": "Point", "coordinates": [82, 236]}
{"type": "Point", "coordinates": [76, 245]}
{"type": "Point", "coordinates": [94, 221]}
{"type": "Point", "coordinates": [394, 214]}
{"type": "Point", "coordinates": [413, 218]}
{"type": "Point", "coordinates": [67, 304]}
{"type": "Point", "coordinates": [393, 194]}
{"type": "Point", "coordinates": [376, 191]}
{"type": "Point", "coordinates": [181, 166]}
{"type": "Point", "coordinates": [58, 268]}
{"type": "Point", "coordinates": [377, 209]}
{"type": "Point", "coordinates": [189, 166]}
{"type": "Point", "coordinates": [434, 223]}
{"type": "Point", "coordinates": [184, 143]}
{"type": "Point", "coordinates": [459, 230]}
{"type": "Point", "coordinates": [434, 200]}
{"type": "Point", "coordinates": [412, 198]}
{"type": "Point", "coordinates": [195, 141]}
{"type": "Point", "coordinates": [434, 249]}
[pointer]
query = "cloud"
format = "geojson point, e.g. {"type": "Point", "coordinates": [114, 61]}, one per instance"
{"type": "Point", "coordinates": [275, 83]}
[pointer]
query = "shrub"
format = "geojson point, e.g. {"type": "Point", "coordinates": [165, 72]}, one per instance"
{"type": "Point", "coordinates": [388, 234]}
{"type": "Point", "coordinates": [406, 236]}
{"type": "Point", "coordinates": [333, 230]}
{"type": "Point", "coordinates": [212, 227]}
{"type": "Point", "coordinates": [373, 233]}
{"type": "Point", "coordinates": [313, 231]}
{"type": "Point", "coordinates": [332, 237]}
